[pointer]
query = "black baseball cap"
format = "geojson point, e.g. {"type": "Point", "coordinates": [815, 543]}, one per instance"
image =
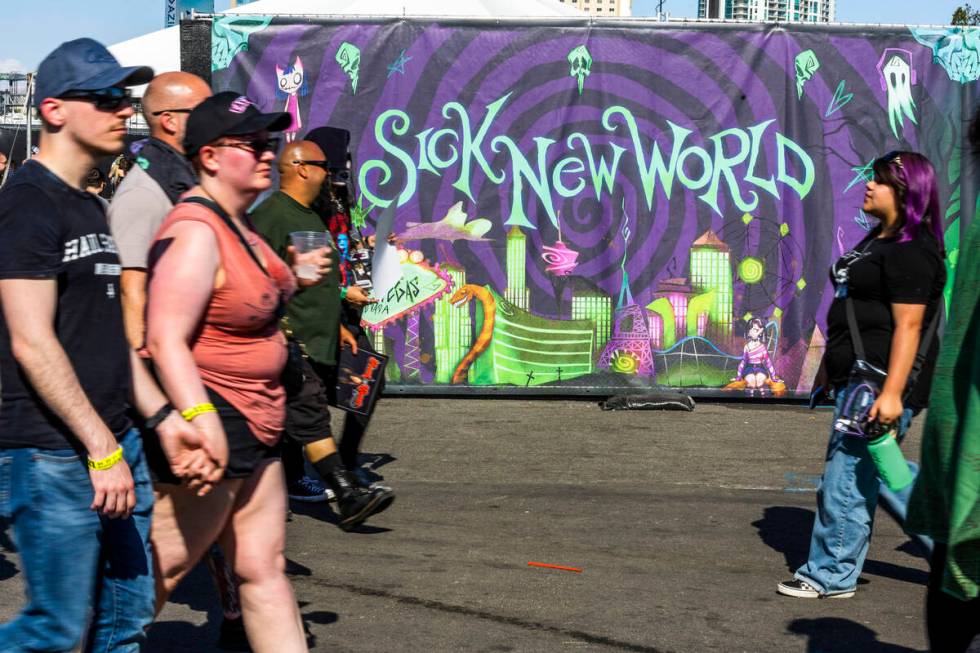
{"type": "Point", "coordinates": [228, 114]}
{"type": "Point", "coordinates": [84, 65]}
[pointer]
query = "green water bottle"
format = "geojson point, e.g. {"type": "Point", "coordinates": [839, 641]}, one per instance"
{"type": "Point", "coordinates": [892, 468]}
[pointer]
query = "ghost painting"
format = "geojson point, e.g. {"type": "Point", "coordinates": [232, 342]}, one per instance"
{"type": "Point", "coordinates": [580, 65]}
{"type": "Point", "coordinates": [897, 79]}
{"type": "Point", "coordinates": [349, 57]}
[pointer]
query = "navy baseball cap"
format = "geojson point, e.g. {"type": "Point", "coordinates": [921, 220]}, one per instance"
{"type": "Point", "coordinates": [228, 114]}
{"type": "Point", "coordinates": [83, 65]}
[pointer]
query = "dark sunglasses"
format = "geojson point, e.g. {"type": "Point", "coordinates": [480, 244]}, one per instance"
{"type": "Point", "coordinates": [319, 164]}
{"type": "Point", "coordinates": [104, 99]}
{"type": "Point", "coordinates": [893, 157]}
{"type": "Point", "coordinates": [163, 111]}
{"type": "Point", "coordinates": [257, 146]}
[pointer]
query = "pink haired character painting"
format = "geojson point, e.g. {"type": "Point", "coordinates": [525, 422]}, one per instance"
{"type": "Point", "coordinates": [290, 84]}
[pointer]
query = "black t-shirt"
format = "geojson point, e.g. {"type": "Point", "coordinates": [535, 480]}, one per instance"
{"type": "Point", "coordinates": [49, 230]}
{"type": "Point", "coordinates": [877, 273]}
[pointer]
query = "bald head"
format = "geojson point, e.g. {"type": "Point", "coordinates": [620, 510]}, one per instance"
{"type": "Point", "coordinates": [298, 176]}
{"type": "Point", "coordinates": [170, 91]}
{"type": "Point", "coordinates": [298, 151]}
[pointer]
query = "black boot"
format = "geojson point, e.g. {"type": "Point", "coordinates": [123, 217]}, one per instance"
{"type": "Point", "coordinates": [355, 504]}
{"type": "Point", "coordinates": [359, 479]}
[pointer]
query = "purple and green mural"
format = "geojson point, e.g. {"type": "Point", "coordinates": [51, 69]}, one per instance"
{"type": "Point", "coordinates": [593, 207]}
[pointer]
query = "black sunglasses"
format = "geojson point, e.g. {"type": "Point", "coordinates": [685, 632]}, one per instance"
{"type": "Point", "coordinates": [163, 111]}
{"type": "Point", "coordinates": [893, 157]}
{"type": "Point", "coordinates": [319, 164]}
{"type": "Point", "coordinates": [257, 146]}
{"type": "Point", "coordinates": [104, 99]}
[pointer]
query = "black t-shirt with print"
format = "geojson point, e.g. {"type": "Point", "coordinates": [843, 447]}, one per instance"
{"type": "Point", "coordinates": [880, 272]}
{"type": "Point", "coordinates": [49, 230]}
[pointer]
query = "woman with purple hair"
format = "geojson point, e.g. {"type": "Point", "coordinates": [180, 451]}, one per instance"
{"type": "Point", "coordinates": [891, 283]}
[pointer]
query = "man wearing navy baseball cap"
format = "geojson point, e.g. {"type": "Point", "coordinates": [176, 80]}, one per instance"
{"type": "Point", "coordinates": [75, 483]}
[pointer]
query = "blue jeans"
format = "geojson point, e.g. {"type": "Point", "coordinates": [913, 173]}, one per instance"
{"type": "Point", "coordinates": [73, 559]}
{"type": "Point", "coordinates": [846, 503]}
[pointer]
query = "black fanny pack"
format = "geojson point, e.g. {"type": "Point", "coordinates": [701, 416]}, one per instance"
{"type": "Point", "coordinates": [865, 382]}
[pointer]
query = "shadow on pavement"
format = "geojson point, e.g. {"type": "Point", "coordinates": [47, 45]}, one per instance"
{"type": "Point", "coordinates": [8, 567]}
{"type": "Point", "coordinates": [169, 636]}
{"type": "Point", "coordinates": [321, 512]}
{"type": "Point", "coordinates": [322, 617]}
{"type": "Point", "coordinates": [836, 635]}
{"type": "Point", "coordinates": [888, 570]}
{"type": "Point", "coordinates": [376, 460]}
{"type": "Point", "coordinates": [786, 530]}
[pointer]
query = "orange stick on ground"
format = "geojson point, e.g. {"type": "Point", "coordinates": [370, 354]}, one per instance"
{"type": "Point", "coordinates": [549, 566]}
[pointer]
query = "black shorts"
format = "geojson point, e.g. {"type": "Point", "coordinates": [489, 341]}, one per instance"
{"type": "Point", "coordinates": [245, 451]}
{"type": "Point", "coordinates": [307, 417]}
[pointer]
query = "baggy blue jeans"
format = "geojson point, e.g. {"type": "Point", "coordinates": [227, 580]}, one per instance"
{"type": "Point", "coordinates": [846, 503]}
{"type": "Point", "coordinates": [73, 559]}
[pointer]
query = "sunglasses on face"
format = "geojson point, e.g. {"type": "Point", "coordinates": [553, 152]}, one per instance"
{"type": "Point", "coordinates": [257, 146]}
{"type": "Point", "coordinates": [307, 162]}
{"type": "Point", "coordinates": [105, 99]}
{"type": "Point", "coordinates": [163, 111]}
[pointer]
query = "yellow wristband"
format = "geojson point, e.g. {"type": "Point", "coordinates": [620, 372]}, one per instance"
{"type": "Point", "coordinates": [199, 409]}
{"type": "Point", "coordinates": [106, 462]}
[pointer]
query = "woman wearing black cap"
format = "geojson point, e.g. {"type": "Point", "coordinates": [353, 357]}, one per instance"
{"type": "Point", "coordinates": [216, 294]}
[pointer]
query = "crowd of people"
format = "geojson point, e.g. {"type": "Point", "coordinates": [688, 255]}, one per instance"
{"type": "Point", "coordinates": [168, 358]}
{"type": "Point", "coordinates": [148, 380]}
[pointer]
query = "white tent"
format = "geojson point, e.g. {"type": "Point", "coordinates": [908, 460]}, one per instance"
{"type": "Point", "coordinates": [161, 50]}
{"type": "Point", "coordinates": [453, 8]}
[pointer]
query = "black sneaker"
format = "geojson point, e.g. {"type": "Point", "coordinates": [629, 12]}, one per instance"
{"type": "Point", "coordinates": [801, 589]}
{"type": "Point", "coordinates": [361, 504]}
{"type": "Point", "coordinates": [232, 636]}
{"type": "Point", "coordinates": [309, 490]}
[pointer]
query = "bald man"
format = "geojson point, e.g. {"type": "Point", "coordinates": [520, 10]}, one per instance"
{"type": "Point", "coordinates": [161, 175]}
{"type": "Point", "coordinates": [313, 318]}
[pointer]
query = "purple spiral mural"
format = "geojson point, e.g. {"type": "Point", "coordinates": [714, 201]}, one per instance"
{"type": "Point", "coordinates": [616, 206]}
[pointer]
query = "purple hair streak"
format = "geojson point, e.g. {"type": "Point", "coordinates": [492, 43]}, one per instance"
{"type": "Point", "coordinates": [914, 180]}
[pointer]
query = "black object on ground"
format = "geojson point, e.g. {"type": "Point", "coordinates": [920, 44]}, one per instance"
{"type": "Point", "coordinates": [654, 401]}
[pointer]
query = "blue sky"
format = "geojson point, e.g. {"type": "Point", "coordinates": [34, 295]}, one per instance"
{"type": "Point", "coordinates": [34, 28]}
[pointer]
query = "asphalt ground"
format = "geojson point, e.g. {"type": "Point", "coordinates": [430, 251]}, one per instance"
{"type": "Point", "coordinates": [682, 524]}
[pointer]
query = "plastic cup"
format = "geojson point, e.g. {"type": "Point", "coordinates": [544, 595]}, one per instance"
{"type": "Point", "coordinates": [307, 241]}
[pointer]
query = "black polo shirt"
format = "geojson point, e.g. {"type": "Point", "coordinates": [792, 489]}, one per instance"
{"type": "Point", "coordinates": [49, 230]}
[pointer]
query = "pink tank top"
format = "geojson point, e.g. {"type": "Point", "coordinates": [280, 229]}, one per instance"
{"type": "Point", "coordinates": [239, 349]}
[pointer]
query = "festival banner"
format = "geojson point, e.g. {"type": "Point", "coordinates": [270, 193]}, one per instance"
{"type": "Point", "coordinates": [614, 204]}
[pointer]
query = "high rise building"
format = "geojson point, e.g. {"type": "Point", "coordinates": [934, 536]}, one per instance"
{"type": "Point", "coordinates": [784, 11]}
{"type": "Point", "coordinates": [595, 306]}
{"type": "Point", "coordinates": [602, 7]}
{"type": "Point", "coordinates": [450, 329]}
{"type": "Point", "coordinates": [711, 269]}
{"type": "Point", "coordinates": [517, 293]}
{"type": "Point", "coordinates": [678, 292]}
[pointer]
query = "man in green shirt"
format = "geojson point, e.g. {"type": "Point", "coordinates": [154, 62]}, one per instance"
{"type": "Point", "coordinates": [313, 319]}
